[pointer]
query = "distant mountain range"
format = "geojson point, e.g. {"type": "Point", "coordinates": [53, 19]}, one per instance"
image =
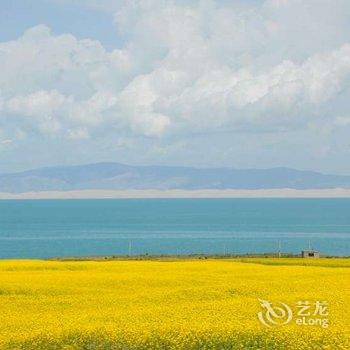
{"type": "Point", "coordinates": [116, 176]}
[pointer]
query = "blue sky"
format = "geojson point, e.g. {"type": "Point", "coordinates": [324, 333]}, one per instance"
{"type": "Point", "coordinates": [62, 17]}
{"type": "Point", "coordinates": [245, 84]}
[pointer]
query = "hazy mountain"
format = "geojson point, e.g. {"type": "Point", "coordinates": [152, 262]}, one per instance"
{"type": "Point", "coordinates": [120, 176]}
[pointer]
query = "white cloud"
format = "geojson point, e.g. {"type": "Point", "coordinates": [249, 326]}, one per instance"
{"type": "Point", "coordinates": [186, 67]}
{"type": "Point", "coordinates": [6, 142]}
{"type": "Point", "coordinates": [77, 134]}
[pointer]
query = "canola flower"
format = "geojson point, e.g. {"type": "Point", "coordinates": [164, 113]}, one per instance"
{"type": "Point", "coordinates": [178, 304]}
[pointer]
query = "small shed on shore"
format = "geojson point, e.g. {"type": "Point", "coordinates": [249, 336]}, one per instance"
{"type": "Point", "coordinates": [310, 254]}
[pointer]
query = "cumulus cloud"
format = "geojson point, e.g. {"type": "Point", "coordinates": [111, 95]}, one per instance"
{"type": "Point", "coordinates": [185, 67]}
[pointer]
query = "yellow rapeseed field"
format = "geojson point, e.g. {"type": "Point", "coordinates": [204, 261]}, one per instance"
{"type": "Point", "coordinates": [179, 304]}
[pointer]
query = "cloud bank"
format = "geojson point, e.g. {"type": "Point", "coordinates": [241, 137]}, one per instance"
{"type": "Point", "coordinates": [183, 68]}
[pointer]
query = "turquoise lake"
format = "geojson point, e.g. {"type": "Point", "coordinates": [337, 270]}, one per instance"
{"type": "Point", "coordinates": [52, 228]}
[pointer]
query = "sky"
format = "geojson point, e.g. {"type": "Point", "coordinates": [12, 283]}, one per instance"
{"type": "Point", "coordinates": [211, 83]}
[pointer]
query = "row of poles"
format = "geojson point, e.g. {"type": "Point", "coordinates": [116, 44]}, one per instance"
{"type": "Point", "coordinates": [279, 248]}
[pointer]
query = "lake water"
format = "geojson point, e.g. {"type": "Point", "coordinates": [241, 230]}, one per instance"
{"type": "Point", "coordinates": [49, 228]}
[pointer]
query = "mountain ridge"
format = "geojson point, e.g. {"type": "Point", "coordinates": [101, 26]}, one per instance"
{"type": "Point", "coordinates": [119, 176]}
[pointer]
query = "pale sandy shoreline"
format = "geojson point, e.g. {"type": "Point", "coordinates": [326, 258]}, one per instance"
{"type": "Point", "coordinates": [104, 194]}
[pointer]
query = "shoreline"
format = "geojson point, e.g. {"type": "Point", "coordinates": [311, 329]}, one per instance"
{"type": "Point", "coordinates": [158, 194]}
{"type": "Point", "coordinates": [167, 257]}
{"type": "Point", "coordinates": [192, 257]}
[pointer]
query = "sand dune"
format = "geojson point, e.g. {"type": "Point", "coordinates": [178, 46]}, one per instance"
{"type": "Point", "coordinates": [264, 193]}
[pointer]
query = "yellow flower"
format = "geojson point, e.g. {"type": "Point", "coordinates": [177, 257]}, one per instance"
{"type": "Point", "coordinates": [180, 304]}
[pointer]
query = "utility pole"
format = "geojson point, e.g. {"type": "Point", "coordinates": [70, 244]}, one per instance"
{"type": "Point", "coordinates": [279, 248]}
{"type": "Point", "coordinates": [130, 247]}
